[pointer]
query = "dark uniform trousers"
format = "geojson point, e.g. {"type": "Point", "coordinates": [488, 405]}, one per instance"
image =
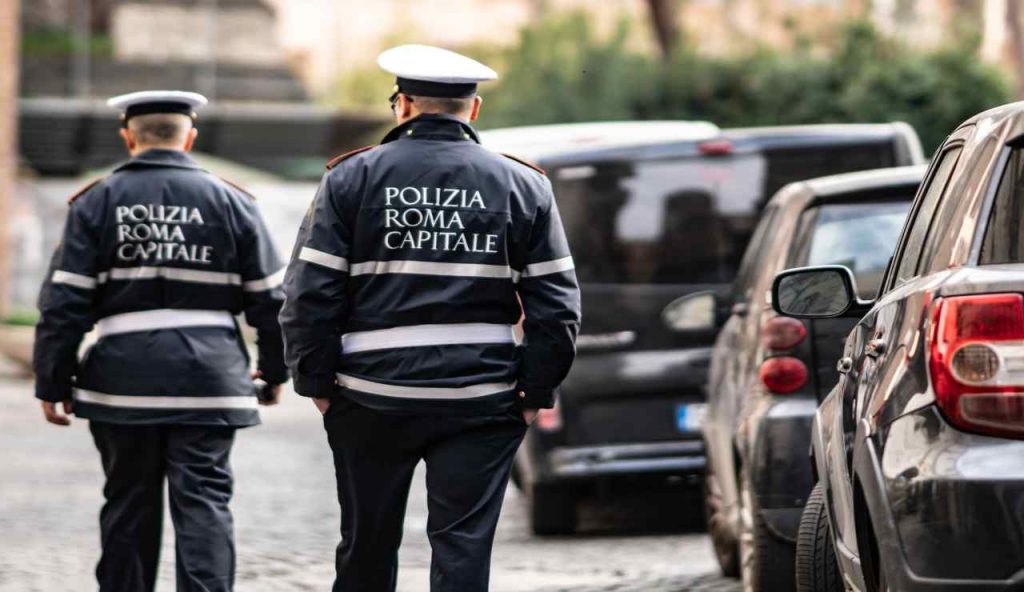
{"type": "Point", "coordinates": [193, 460]}
{"type": "Point", "coordinates": [468, 460]}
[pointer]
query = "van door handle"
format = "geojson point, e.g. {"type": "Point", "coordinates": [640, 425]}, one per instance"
{"type": "Point", "coordinates": [844, 365]}
{"type": "Point", "coordinates": [875, 348]}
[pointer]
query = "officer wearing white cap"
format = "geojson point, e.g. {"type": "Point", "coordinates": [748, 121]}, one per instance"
{"type": "Point", "coordinates": [159, 258]}
{"type": "Point", "coordinates": [417, 259]}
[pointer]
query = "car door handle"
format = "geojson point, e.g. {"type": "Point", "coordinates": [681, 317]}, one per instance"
{"type": "Point", "coordinates": [875, 348]}
{"type": "Point", "coordinates": [740, 309]}
{"type": "Point", "coordinates": [844, 365]}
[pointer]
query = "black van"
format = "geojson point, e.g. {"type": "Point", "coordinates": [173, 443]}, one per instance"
{"type": "Point", "coordinates": [658, 215]}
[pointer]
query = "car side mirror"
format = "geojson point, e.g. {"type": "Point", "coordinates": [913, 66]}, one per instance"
{"type": "Point", "coordinates": [820, 292]}
{"type": "Point", "coordinates": [693, 312]}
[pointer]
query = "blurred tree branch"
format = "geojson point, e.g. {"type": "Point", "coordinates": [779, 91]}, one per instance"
{"type": "Point", "coordinates": [1016, 37]}
{"type": "Point", "coordinates": [9, 20]}
{"type": "Point", "coordinates": [665, 24]}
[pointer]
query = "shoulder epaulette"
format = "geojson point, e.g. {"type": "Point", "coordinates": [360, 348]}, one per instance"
{"type": "Point", "coordinates": [83, 190]}
{"type": "Point", "coordinates": [337, 159]}
{"type": "Point", "coordinates": [525, 162]}
{"type": "Point", "coordinates": [241, 189]}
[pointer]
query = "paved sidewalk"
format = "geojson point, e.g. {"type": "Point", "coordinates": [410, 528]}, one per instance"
{"type": "Point", "coordinates": [287, 519]}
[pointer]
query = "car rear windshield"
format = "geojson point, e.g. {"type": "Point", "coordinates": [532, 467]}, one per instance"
{"type": "Point", "coordinates": [1004, 236]}
{"type": "Point", "coordinates": [861, 236]}
{"type": "Point", "coordinates": [684, 220]}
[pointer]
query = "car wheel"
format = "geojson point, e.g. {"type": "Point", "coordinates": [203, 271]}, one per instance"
{"type": "Point", "coordinates": [816, 567]}
{"type": "Point", "coordinates": [724, 545]}
{"type": "Point", "coordinates": [552, 510]}
{"type": "Point", "coordinates": [766, 562]}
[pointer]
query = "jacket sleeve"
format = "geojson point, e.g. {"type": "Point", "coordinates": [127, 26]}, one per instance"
{"type": "Point", "coordinates": [66, 305]}
{"type": "Point", "coordinates": [316, 300]}
{"type": "Point", "coordinates": [262, 273]}
{"type": "Point", "coordinates": [551, 305]}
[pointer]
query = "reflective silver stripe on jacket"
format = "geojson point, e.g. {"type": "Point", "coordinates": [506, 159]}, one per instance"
{"type": "Point", "coordinates": [172, 273]}
{"type": "Point", "coordinates": [548, 267]}
{"type": "Point", "coordinates": [324, 259]}
{"type": "Point", "coordinates": [164, 318]}
{"type": "Point", "coordinates": [431, 268]}
{"type": "Point", "coordinates": [135, 402]}
{"type": "Point", "coordinates": [425, 335]}
{"type": "Point", "coordinates": [270, 282]}
{"type": "Point", "coordinates": [73, 279]}
{"type": "Point", "coordinates": [419, 392]}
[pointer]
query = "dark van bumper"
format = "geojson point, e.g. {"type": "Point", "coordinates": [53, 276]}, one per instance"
{"type": "Point", "coordinates": [627, 459]}
{"type": "Point", "coordinates": [947, 507]}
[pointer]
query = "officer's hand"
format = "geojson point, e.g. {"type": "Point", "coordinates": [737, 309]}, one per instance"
{"type": "Point", "coordinates": [529, 415]}
{"type": "Point", "coordinates": [56, 417]}
{"type": "Point", "coordinates": [322, 404]}
{"type": "Point", "coordinates": [274, 392]}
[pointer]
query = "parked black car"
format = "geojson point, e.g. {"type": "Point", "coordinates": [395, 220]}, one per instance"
{"type": "Point", "coordinates": [919, 448]}
{"type": "Point", "coordinates": [769, 372]}
{"type": "Point", "coordinates": [658, 215]}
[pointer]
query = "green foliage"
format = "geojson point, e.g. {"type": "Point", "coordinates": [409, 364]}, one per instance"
{"type": "Point", "coordinates": [56, 43]}
{"type": "Point", "coordinates": [21, 318]}
{"type": "Point", "coordinates": [561, 71]}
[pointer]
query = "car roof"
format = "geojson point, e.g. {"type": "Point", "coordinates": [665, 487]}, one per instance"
{"type": "Point", "coordinates": [537, 142]}
{"type": "Point", "coordinates": [847, 185]}
{"type": "Point", "coordinates": [642, 139]}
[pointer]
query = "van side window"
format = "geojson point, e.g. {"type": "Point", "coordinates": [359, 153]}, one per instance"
{"type": "Point", "coordinates": [917, 232]}
{"type": "Point", "coordinates": [1004, 239]}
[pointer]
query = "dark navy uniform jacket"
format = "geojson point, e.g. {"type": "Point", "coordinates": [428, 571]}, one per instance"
{"type": "Point", "coordinates": [408, 273]}
{"type": "Point", "coordinates": [160, 257]}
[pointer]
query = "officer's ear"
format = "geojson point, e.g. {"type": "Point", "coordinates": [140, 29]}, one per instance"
{"type": "Point", "coordinates": [190, 139]}
{"type": "Point", "coordinates": [477, 101]}
{"type": "Point", "coordinates": [129, 139]}
{"type": "Point", "coordinates": [404, 108]}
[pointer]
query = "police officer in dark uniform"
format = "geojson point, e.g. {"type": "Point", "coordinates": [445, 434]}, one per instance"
{"type": "Point", "coordinates": [160, 257]}
{"type": "Point", "coordinates": [402, 298]}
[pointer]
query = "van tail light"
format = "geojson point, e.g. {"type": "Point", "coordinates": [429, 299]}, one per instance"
{"type": "Point", "coordinates": [782, 333]}
{"type": "Point", "coordinates": [549, 420]}
{"type": "Point", "coordinates": [976, 361]}
{"type": "Point", "coordinates": [715, 148]}
{"type": "Point", "coordinates": [782, 375]}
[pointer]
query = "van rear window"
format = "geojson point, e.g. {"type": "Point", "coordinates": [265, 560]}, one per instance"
{"type": "Point", "coordinates": [659, 222]}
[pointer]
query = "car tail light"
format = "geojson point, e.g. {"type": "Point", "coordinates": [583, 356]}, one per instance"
{"type": "Point", "coordinates": [715, 148]}
{"type": "Point", "coordinates": [549, 420]}
{"type": "Point", "coordinates": [783, 374]}
{"type": "Point", "coordinates": [781, 333]}
{"type": "Point", "coordinates": [976, 360]}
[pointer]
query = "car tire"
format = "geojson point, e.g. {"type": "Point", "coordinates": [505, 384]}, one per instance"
{"type": "Point", "coordinates": [816, 567]}
{"type": "Point", "coordinates": [725, 546]}
{"type": "Point", "coordinates": [552, 510]}
{"type": "Point", "coordinates": [766, 561]}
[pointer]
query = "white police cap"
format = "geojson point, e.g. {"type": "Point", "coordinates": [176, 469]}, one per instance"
{"type": "Point", "coordinates": [157, 101]}
{"type": "Point", "coordinates": [429, 71]}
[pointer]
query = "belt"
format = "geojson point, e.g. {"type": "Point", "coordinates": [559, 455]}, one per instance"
{"type": "Point", "coordinates": [164, 318]}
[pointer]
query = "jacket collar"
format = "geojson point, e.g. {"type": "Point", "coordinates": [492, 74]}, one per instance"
{"type": "Point", "coordinates": [159, 157]}
{"type": "Point", "coordinates": [433, 126]}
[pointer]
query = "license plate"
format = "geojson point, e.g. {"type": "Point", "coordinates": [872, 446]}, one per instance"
{"type": "Point", "coordinates": [690, 417]}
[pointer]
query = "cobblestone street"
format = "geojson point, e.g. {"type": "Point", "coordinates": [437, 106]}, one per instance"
{"type": "Point", "coordinates": [287, 519]}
